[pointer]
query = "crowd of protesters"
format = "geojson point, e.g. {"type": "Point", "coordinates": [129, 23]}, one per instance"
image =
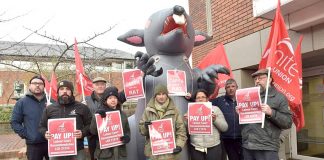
{"type": "Point", "coordinates": [228, 139]}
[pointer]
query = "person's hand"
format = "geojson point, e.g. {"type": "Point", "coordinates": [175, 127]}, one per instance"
{"type": "Point", "coordinates": [102, 113]}
{"type": "Point", "coordinates": [178, 149]}
{"type": "Point", "coordinates": [125, 139]}
{"type": "Point", "coordinates": [188, 96]}
{"type": "Point", "coordinates": [47, 135]}
{"type": "Point", "coordinates": [185, 116]}
{"type": "Point", "coordinates": [237, 109]}
{"type": "Point", "coordinates": [147, 123]}
{"type": "Point", "coordinates": [266, 109]}
{"type": "Point", "coordinates": [77, 134]}
{"type": "Point", "coordinates": [213, 116]}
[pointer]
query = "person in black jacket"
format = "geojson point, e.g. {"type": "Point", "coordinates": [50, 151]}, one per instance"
{"type": "Point", "coordinates": [26, 116]}
{"type": "Point", "coordinates": [263, 143]}
{"type": "Point", "coordinates": [111, 102]}
{"type": "Point", "coordinates": [67, 107]}
{"type": "Point", "coordinates": [231, 139]}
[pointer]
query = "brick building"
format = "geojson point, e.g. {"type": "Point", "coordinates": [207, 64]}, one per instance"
{"type": "Point", "coordinates": [244, 25]}
{"type": "Point", "coordinates": [107, 63]}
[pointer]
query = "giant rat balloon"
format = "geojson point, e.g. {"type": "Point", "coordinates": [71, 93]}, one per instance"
{"type": "Point", "coordinates": [169, 38]}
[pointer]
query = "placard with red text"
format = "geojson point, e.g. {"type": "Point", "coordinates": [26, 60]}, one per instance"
{"type": "Point", "coordinates": [249, 104]}
{"type": "Point", "coordinates": [162, 136]}
{"type": "Point", "coordinates": [62, 141]}
{"type": "Point", "coordinates": [133, 84]}
{"type": "Point", "coordinates": [110, 129]}
{"type": "Point", "coordinates": [176, 82]}
{"type": "Point", "coordinates": [199, 118]}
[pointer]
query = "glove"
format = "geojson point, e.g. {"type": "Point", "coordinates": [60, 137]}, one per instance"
{"type": "Point", "coordinates": [102, 113]}
{"type": "Point", "coordinates": [178, 149]}
{"type": "Point", "coordinates": [147, 123]}
{"type": "Point", "coordinates": [125, 139]}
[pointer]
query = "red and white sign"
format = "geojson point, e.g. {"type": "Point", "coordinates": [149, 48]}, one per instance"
{"type": "Point", "coordinates": [162, 136]}
{"type": "Point", "coordinates": [249, 103]}
{"type": "Point", "coordinates": [176, 82]}
{"type": "Point", "coordinates": [62, 141]}
{"type": "Point", "coordinates": [110, 129]}
{"type": "Point", "coordinates": [133, 84]}
{"type": "Point", "coordinates": [199, 118]}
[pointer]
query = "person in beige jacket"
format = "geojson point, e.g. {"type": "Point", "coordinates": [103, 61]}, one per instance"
{"type": "Point", "coordinates": [161, 106]}
{"type": "Point", "coordinates": [208, 147]}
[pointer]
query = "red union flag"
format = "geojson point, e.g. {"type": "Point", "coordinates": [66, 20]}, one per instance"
{"type": "Point", "coordinates": [51, 88]}
{"type": "Point", "coordinates": [176, 82]}
{"type": "Point", "coordinates": [217, 56]}
{"type": "Point", "coordinates": [62, 141]}
{"type": "Point", "coordinates": [133, 84]}
{"type": "Point", "coordinates": [199, 118]}
{"type": "Point", "coordinates": [80, 75]}
{"type": "Point", "coordinates": [110, 129]}
{"type": "Point", "coordinates": [162, 136]}
{"type": "Point", "coordinates": [249, 104]}
{"type": "Point", "coordinates": [280, 56]}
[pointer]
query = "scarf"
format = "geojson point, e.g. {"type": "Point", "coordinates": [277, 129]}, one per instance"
{"type": "Point", "coordinates": [161, 108]}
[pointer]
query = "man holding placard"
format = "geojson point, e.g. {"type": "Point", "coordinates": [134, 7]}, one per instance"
{"type": "Point", "coordinates": [263, 142]}
{"type": "Point", "coordinates": [66, 109]}
{"type": "Point", "coordinates": [160, 123]}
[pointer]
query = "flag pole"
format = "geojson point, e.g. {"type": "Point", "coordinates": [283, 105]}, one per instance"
{"type": "Point", "coordinates": [81, 81]}
{"type": "Point", "coordinates": [266, 95]}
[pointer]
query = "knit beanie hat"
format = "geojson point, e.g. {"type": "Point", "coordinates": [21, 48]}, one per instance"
{"type": "Point", "coordinates": [110, 91]}
{"type": "Point", "coordinates": [37, 77]}
{"type": "Point", "coordinates": [65, 83]}
{"type": "Point", "coordinates": [160, 89]}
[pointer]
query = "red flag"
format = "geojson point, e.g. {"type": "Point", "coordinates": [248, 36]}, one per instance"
{"type": "Point", "coordinates": [53, 86]}
{"type": "Point", "coordinates": [47, 85]}
{"type": "Point", "coordinates": [86, 82]}
{"type": "Point", "coordinates": [279, 55]}
{"type": "Point", "coordinates": [217, 56]}
{"type": "Point", "coordinates": [297, 109]}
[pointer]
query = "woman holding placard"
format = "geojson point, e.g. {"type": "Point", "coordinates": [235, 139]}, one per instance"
{"type": "Point", "coordinates": [103, 123]}
{"type": "Point", "coordinates": [207, 146]}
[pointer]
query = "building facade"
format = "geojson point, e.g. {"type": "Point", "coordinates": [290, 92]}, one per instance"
{"type": "Point", "coordinates": [244, 26]}
{"type": "Point", "coordinates": [20, 61]}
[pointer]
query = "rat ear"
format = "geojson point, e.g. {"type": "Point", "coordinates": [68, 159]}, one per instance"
{"type": "Point", "coordinates": [133, 37]}
{"type": "Point", "coordinates": [201, 38]}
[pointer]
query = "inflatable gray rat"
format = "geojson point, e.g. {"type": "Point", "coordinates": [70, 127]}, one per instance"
{"type": "Point", "coordinates": [169, 38]}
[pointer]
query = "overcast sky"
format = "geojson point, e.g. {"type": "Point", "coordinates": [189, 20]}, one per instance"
{"type": "Point", "coordinates": [67, 19]}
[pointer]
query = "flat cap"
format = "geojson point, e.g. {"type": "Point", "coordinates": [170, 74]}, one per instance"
{"type": "Point", "coordinates": [260, 72]}
{"type": "Point", "coordinates": [99, 79]}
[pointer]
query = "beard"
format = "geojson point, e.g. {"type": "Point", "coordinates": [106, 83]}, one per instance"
{"type": "Point", "coordinates": [65, 99]}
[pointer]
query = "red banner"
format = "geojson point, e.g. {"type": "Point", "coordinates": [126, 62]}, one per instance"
{"type": "Point", "coordinates": [133, 84]}
{"type": "Point", "coordinates": [199, 118]}
{"type": "Point", "coordinates": [162, 136]}
{"type": "Point", "coordinates": [62, 141]}
{"type": "Point", "coordinates": [249, 104]}
{"type": "Point", "coordinates": [81, 79]}
{"type": "Point", "coordinates": [53, 86]}
{"type": "Point", "coordinates": [280, 56]}
{"type": "Point", "coordinates": [176, 82]}
{"type": "Point", "coordinates": [110, 129]}
{"type": "Point", "coordinates": [217, 56]}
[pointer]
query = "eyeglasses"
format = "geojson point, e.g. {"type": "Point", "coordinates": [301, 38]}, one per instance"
{"type": "Point", "coordinates": [37, 83]}
{"type": "Point", "coordinates": [260, 78]}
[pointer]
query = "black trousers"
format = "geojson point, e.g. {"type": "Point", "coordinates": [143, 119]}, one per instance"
{"type": "Point", "coordinates": [213, 153]}
{"type": "Point", "coordinates": [260, 155]}
{"type": "Point", "coordinates": [233, 148]}
{"type": "Point", "coordinates": [37, 151]}
{"type": "Point", "coordinates": [92, 144]}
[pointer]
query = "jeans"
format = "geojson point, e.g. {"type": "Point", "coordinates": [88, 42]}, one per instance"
{"type": "Point", "coordinates": [37, 151]}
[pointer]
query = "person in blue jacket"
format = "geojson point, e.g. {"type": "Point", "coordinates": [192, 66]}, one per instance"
{"type": "Point", "coordinates": [26, 117]}
{"type": "Point", "coordinates": [231, 139]}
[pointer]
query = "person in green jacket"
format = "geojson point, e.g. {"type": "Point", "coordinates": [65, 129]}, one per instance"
{"type": "Point", "coordinates": [161, 106]}
{"type": "Point", "coordinates": [111, 102]}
